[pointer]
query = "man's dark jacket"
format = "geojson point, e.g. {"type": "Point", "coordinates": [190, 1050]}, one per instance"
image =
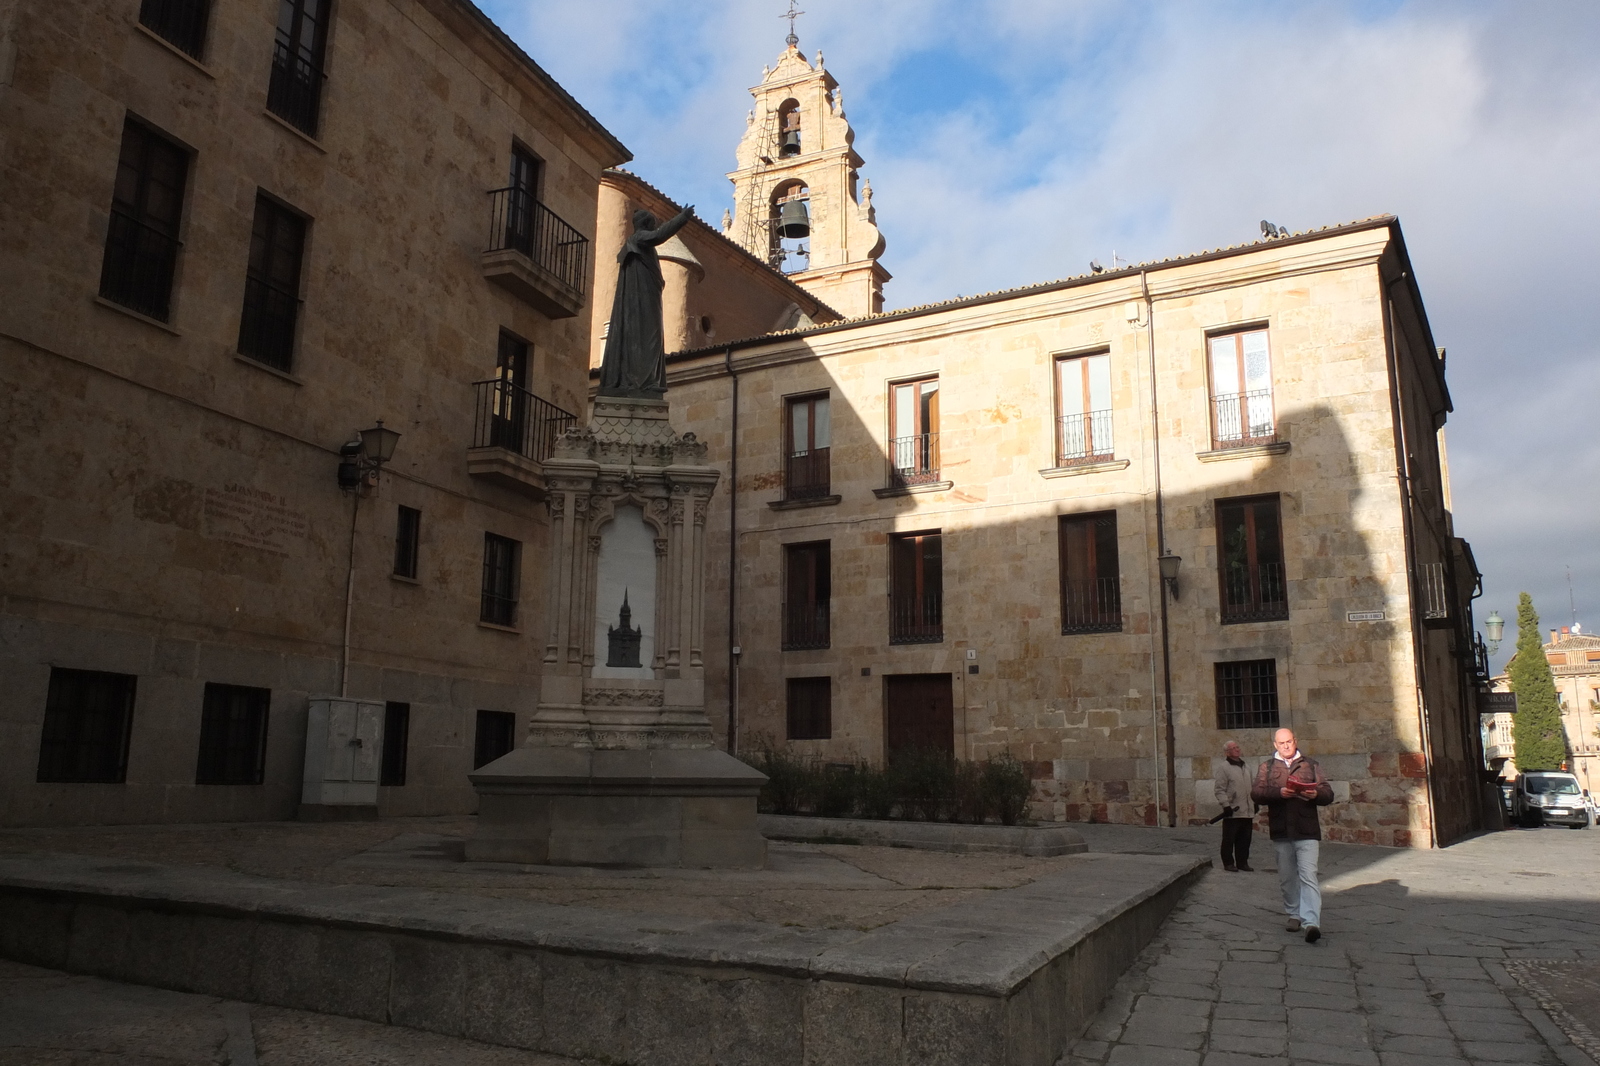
{"type": "Point", "coordinates": [1291, 819]}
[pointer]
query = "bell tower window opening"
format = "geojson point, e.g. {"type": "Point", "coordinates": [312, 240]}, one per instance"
{"type": "Point", "coordinates": [789, 129]}
{"type": "Point", "coordinates": [790, 224]}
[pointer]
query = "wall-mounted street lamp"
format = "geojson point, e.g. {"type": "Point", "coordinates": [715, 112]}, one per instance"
{"type": "Point", "coordinates": [1494, 627]}
{"type": "Point", "coordinates": [363, 456]}
{"type": "Point", "coordinates": [1169, 564]}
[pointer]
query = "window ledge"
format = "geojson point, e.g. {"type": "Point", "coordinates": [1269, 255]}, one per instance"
{"type": "Point", "coordinates": [174, 49]}
{"type": "Point", "coordinates": [404, 580]}
{"type": "Point", "coordinates": [1250, 451]}
{"type": "Point", "coordinates": [1085, 468]}
{"type": "Point", "coordinates": [264, 368]}
{"type": "Point", "coordinates": [912, 490]}
{"type": "Point", "coordinates": [296, 130]}
{"type": "Point", "coordinates": [500, 629]}
{"type": "Point", "coordinates": [131, 313]}
{"type": "Point", "coordinates": [796, 505]}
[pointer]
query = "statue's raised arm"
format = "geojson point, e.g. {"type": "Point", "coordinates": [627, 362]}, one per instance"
{"type": "Point", "coordinates": [634, 364]}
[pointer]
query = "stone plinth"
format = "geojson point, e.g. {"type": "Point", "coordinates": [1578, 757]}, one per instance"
{"type": "Point", "coordinates": [618, 768]}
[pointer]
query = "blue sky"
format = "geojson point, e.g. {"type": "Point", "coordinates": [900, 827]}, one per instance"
{"type": "Point", "coordinates": [1011, 141]}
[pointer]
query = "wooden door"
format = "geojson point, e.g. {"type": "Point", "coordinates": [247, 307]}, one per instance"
{"type": "Point", "coordinates": [920, 714]}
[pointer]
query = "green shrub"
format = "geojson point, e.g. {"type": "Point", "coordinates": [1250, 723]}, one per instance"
{"type": "Point", "coordinates": [790, 784]}
{"type": "Point", "coordinates": [926, 780]}
{"type": "Point", "coordinates": [875, 792]}
{"type": "Point", "coordinates": [1006, 784]}
{"type": "Point", "coordinates": [972, 801]}
{"type": "Point", "coordinates": [835, 790]}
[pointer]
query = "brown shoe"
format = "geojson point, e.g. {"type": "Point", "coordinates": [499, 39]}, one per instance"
{"type": "Point", "coordinates": [1247, 868]}
{"type": "Point", "coordinates": [1230, 867]}
{"type": "Point", "coordinates": [1294, 925]}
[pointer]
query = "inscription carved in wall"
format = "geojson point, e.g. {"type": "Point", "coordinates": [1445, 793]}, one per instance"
{"type": "Point", "coordinates": [253, 517]}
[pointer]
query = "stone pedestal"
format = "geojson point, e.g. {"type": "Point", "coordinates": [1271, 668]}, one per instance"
{"type": "Point", "coordinates": [618, 767]}
{"type": "Point", "coordinates": [344, 755]}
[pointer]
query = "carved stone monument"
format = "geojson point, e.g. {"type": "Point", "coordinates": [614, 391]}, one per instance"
{"type": "Point", "coordinates": [618, 767]}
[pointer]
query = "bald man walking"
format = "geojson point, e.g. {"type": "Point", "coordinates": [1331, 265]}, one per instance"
{"type": "Point", "coordinates": [1292, 787]}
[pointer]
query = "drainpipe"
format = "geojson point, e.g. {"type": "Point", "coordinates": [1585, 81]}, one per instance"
{"type": "Point", "coordinates": [1161, 549]}
{"type": "Point", "coordinates": [733, 564]}
{"type": "Point", "coordinates": [349, 597]}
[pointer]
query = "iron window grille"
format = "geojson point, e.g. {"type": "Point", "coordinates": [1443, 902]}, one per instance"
{"type": "Point", "coordinates": [807, 595]}
{"type": "Point", "coordinates": [914, 433]}
{"type": "Point", "coordinates": [519, 222]}
{"type": "Point", "coordinates": [509, 416]}
{"type": "Point", "coordinates": [294, 92]}
{"type": "Point", "coordinates": [233, 735]}
{"type": "Point", "coordinates": [88, 718]}
{"type": "Point", "coordinates": [272, 285]}
{"type": "Point", "coordinates": [1241, 390]}
{"type": "Point", "coordinates": [407, 541]}
{"type": "Point", "coordinates": [142, 245]}
{"type": "Point", "coordinates": [1433, 582]}
{"type": "Point", "coordinates": [1091, 592]}
{"type": "Point", "coordinates": [1247, 694]}
{"type": "Point", "coordinates": [1083, 417]}
{"type": "Point", "coordinates": [396, 738]}
{"type": "Point", "coordinates": [1250, 560]}
{"type": "Point", "coordinates": [916, 594]}
{"type": "Point", "coordinates": [810, 708]}
{"type": "Point", "coordinates": [495, 736]}
{"type": "Point", "coordinates": [501, 565]}
{"type": "Point", "coordinates": [806, 472]}
{"type": "Point", "coordinates": [181, 23]}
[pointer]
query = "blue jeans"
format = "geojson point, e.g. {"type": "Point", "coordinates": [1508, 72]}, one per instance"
{"type": "Point", "coordinates": [1297, 876]}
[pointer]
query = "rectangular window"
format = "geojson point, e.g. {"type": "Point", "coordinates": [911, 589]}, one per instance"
{"type": "Point", "coordinates": [146, 209]}
{"type": "Point", "coordinates": [181, 23]}
{"type": "Point", "coordinates": [806, 473]}
{"type": "Point", "coordinates": [272, 285]}
{"type": "Point", "coordinates": [522, 195]}
{"type": "Point", "coordinates": [1241, 390]}
{"type": "Point", "coordinates": [496, 736]}
{"type": "Point", "coordinates": [1250, 560]}
{"type": "Point", "coordinates": [407, 541]}
{"type": "Point", "coordinates": [807, 595]}
{"type": "Point", "coordinates": [1091, 589]}
{"type": "Point", "coordinates": [810, 714]}
{"type": "Point", "coordinates": [914, 432]}
{"type": "Point", "coordinates": [916, 584]}
{"type": "Point", "coordinates": [396, 738]}
{"type": "Point", "coordinates": [502, 559]}
{"type": "Point", "coordinates": [508, 417]}
{"type": "Point", "coordinates": [1247, 694]}
{"type": "Point", "coordinates": [233, 735]}
{"type": "Point", "coordinates": [1083, 420]}
{"type": "Point", "coordinates": [88, 717]}
{"type": "Point", "coordinates": [295, 92]}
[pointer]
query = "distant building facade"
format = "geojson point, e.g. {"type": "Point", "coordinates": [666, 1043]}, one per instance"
{"type": "Point", "coordinates": [1574, 658]}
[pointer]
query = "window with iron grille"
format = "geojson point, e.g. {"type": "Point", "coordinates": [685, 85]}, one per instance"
{"type": "Point", "coordinates": [916, 588]}
{"type": "Point", "coordinates": [294, 92]}
{"type": "Point", "coordinates": [502, 564]}
{"type": "Point", "coordinates": [182, 23]}
{"type": "Point", "coordinates": [806, 473]}
{"type": "Point", "coordinates": [496, 736]}
{"type": "Point", "coordinates": [233, 735]}
{"type": "Point", "coordinates": [1083, 415]}
{"type": "Point", "coordinates": [914, 432]}
{"type": "Point", "coordinates": [522, 197]}
{"type": "Point", "coordinates": [396, 739]}
{"type": "Point", "coordinates": [272, 285]}
{"type": "Point", "coordinates": [810, 710]}
{"type": "Point", "coordinates": [1241, 390]}
{"type": "Point", "coordinates": [807, 595]}
{"type": "Point", "coordinates": [1250, 560]}
{"type": "Point", "coordinates": [146, 209]}
{"type": "Point", "coordinates": [1247, 694]}
{"type": "Point", "coordinates": [88, 717]}
{"type": "Point", "coordinates": [407, 541]}
{"type": "Point", "coordinates": [1091, 588]}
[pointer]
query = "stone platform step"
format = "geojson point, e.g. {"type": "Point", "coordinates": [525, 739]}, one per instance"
{"type": "Point", "coordinates": [1039, 841]}
{"type": "Point", "coordinates": [1009, 977]}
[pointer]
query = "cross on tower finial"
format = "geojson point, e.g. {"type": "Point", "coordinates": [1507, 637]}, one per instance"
{"type": "Point", "coordinates": [791, 15]}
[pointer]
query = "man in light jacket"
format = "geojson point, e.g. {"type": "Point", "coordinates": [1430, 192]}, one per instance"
{"type": "Point", "coordinates": [1233, 796]}
{"type": "Point", "coordinates": [1292, 787]}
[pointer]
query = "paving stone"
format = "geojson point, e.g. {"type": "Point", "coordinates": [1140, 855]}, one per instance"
{"type": "Point", "coordinates": [1415, 1044]}
{"type": "Point", "coordinates": [1171, 1005]}
{"type": "Point", "coordinates": [1306, 1051]}
{"type": "Point", "coordinates": [1496, 1051]}
{"type": "Point", "coordinates": [1233, 1058]}
{"type": "Point", "coordinates": [1249, 995]}
{"type": "Point", "coordinates": [1130, 1055]}
{"type": "Point", "coordinates": [1401, 1058]}
{"type": "Point", "coordinates": [1249, 1045]}
{"type": "Point", "coordinates": [1182, 990]}
{"type": "Point", "coordinates": [1249, 1027]}
{"type": "Point", "coordinates": [1262, 1012]}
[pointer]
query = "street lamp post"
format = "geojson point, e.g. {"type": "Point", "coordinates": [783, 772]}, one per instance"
{"type": "Point", "coordinates": [360, 461]}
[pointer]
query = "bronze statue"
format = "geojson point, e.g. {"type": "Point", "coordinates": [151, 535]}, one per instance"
{"type": "Point", "coordinates": [635, 363]}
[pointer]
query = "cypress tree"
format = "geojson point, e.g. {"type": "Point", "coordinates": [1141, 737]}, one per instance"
{"type": "Point", "coordinates": [1538, 739]}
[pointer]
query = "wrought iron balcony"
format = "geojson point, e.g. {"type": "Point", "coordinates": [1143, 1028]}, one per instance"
{"type": "Point", "coordinates": [534, 254]}
{"type": "Point", "coordinates": [1243, 420]}
{"type": "Point", "coordinates": [295, 92]}
{"type": "Point", "coordinates": [1091, 606]}
{"type": "Point", "coordinates": [805, 626]}
{"type": "Point", "coordinates": [137, 269]}
{"type": "Point", "coordinates": [916, 619]}
{"type": "Point", "coordinates": [1434, 590]}
{"type": "Point", "coordinates": [1084, 438]}
{"type": "Point", "coordinates": [914, 460]}
{"type": "Point", "coordinates": [806, 475]}
{"type": "Point", "coordinates": [513, 433]}
{"type": "Point", "coordinates": [1254, 593]}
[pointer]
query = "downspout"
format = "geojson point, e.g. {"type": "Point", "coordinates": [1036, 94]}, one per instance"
{"type": "Point", "coordinates": [1161, 549]}
{"type": "Point", "coordinates": [349, 597]}
{"type": "Point", "coordinates": [1403, 476]}
{"type": "Point", "coordinates": [733, 564]}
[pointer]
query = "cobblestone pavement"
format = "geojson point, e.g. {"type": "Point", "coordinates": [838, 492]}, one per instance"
{"type": "Point", "coordinates": [1412, 969]}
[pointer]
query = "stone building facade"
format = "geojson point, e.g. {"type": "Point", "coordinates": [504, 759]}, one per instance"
{"type": "Point", "coordinates": [231, 242]}
{"type": "Point", "coordinates": [1574, 658]}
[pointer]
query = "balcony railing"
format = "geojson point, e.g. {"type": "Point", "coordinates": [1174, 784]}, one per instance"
{"type": "Point", "coordinates": [181, 22]}
{"type": "Point", "coordinates": [914, 460]}
{"type": "Point", "coordinates": [1254, 593]}
{"type": "Point", "coordinates": [1091, 606]}
{"type": "Point", "coordinates": [510, 417]}
{"type": "Point", "coordinates": [806, 475]}
{"type": "Point", "coordinates": [518, 222]}
{"type": "Point", "coordinates": [1434, 591]}
{"type": "Point", "coordinates": [1243, 419]}
{"type": "Point", "coordinates": [266, 330]}
{"type": "Point", "coordinates": [1083, 438]}
{"type": "Point", "coordinates": [295, 92]}
{"type": "Point", "coordinates": [916, 619]}
{"type": "Point", "coordinates": [805, 625]}
{"type": "Point", "coordinates": [137, 270]}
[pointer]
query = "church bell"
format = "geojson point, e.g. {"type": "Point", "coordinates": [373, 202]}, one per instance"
{"type": "Point", "coordinates": [793, 222]}
{"type": "Point", "coordinates": [791, 143]}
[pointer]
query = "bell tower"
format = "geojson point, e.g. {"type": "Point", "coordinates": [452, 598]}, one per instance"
{"type": "Point", "coordinates": [796, 204]}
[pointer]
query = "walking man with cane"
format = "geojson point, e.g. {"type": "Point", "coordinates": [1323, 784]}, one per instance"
{"type": "Point", "coordinates": [1233, 795]}
{"type": "Point", "coordinates": [1292, 787]}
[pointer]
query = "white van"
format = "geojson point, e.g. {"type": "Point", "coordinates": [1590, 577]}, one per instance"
{"type": "Point", "coordinates": [1549, 797]}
